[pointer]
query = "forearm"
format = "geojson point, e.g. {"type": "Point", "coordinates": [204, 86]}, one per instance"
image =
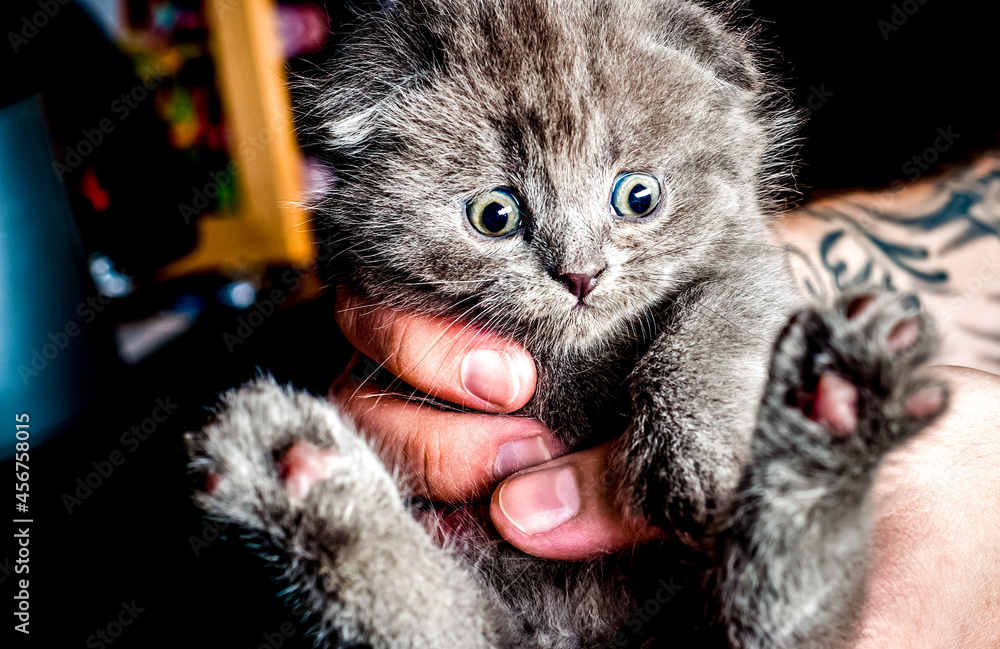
{"type": "Point", "coordinates": [938, 238]}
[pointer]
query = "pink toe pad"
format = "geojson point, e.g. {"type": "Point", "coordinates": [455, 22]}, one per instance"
{"type": "Point", "coordinates": [303, 465]}
{"type": "Point", "coordinates": [836, 405]}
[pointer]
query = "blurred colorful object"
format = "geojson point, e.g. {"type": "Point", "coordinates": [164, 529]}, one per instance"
{"type": "Point", "coordinates": [305, 28]}
{"type": "Point", "coordinates": [171, 40]}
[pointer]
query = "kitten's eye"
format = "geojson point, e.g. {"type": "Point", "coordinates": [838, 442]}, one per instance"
{"type": "Point", "coordinates": [495, 213]}
{"type": "Point", "coordinates": [635, 195]}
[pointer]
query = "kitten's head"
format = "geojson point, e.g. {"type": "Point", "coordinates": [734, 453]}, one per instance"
{"type": "Point", "coordinates": [551, 169]}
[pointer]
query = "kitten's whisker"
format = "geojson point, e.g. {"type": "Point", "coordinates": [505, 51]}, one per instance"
{"type": "Point", "coordinates": [447, 281]}
{"type": "Point", "coordinates": [647, 255]}
{"type": "Point", "coordinates": [476, 320]}
{"type": "Point", "coordinates": [371, 376]}
{"type": "Point", "coordinates": [360, 306]}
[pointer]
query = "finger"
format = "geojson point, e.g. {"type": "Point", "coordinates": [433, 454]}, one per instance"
{"type": "Point", "coordinates": [565, 509]}
{"type": "Point", "coordinates": [452, 456]}
{"type": "Point", "coordinates": [446, 358]}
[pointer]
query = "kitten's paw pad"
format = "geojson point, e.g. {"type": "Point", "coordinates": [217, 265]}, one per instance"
{"type": "Point", "coordinates": [213, 482]}
{"type": "Point", "coordinates": [303, 465]}
{"type": "Point", "coordinates": [852, 374]}
{"type": "Point", "coordinates": [904, 334]}
{"type": "Point", "coordinates": [926, 402]}
{"type": "Point", "coordinates": [835, 405]}
{"type": "Point", "coordinates": [866, 308]}
{"type": "Point", "coordinates": [882, 324]}
{"type": "Point", "coordinates": [255, 425]}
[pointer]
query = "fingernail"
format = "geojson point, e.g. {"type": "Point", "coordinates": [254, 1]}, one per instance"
{"type": "Point", "coordinates": [520, 454]}
{"type": "Point", "coordinates": [540, 501]}
{"type": "Point", "coordinates": [491, 376]}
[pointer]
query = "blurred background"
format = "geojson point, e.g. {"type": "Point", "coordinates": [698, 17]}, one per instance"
{"type": "Point", "coordinates": [155, 253]}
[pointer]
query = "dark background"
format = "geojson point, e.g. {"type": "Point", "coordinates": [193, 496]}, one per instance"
{"type": "Point", "coordinates": [131, 539]}
{"type": "Point", "coordinates": [892, 88]}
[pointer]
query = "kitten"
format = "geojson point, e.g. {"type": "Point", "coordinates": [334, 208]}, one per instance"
{"type": "Point", "coordinates": [591, 179]}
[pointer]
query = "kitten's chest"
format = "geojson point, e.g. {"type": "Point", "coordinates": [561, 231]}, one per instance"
{"type": "Point", "coordinates": [584, 398]}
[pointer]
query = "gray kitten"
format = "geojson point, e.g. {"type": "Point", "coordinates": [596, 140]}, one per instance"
{"type": "Point", "coordinates": [591, 179]}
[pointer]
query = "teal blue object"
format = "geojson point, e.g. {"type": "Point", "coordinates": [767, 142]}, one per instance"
{"type": "Point", "coordinates": [45, 355]}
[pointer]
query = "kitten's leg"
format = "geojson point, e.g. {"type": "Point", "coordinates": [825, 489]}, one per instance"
{"type": "Point", "coordinates": [311, 496]}
{"type": "Point", "coordinates": [695, 395]}
{"type": "Point", "coordinates": [844, 389]}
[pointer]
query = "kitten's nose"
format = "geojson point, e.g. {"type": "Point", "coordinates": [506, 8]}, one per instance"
{"type": "Point", "coordinates": [580, 284]}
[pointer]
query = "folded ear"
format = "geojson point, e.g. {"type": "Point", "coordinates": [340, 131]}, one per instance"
{"type": "Point", "coordinates": [704, 35]}
{"type": "Point", "coordinates": [394, 45]}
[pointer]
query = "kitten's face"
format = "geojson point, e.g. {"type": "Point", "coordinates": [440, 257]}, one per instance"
{"type": "Point", "coordinates": [554, 108]}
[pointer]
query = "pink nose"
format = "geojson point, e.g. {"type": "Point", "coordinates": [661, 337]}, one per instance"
{"type": "Point", "coordinates": [579, 285]}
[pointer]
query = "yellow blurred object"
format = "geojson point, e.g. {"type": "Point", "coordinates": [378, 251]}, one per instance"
{"type": "Point", "coordinates": [184, 134]}
{"type": "Point", "coordinates": [269, 227]}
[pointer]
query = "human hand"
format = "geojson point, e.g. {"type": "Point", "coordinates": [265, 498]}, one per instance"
{"type": "Point", "coordinates": [562, 508]}
{"type": "Point", "coordinates": [935, 579]}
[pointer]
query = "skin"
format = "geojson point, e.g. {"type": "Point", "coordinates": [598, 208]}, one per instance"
{"type": "Point", "coordinates": [936, 564]}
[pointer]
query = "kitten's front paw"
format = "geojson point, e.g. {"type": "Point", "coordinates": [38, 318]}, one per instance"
{"type": "Point", "coordinates": [272, 451]}
{"type": "Point", "coordinates": [846, 384]}
{"type": "Point", "coordinates": [312, 499]}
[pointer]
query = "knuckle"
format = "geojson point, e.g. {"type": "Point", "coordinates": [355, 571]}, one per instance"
{"type": "Point", "coordinates": [396, 343]}
{"type": "Point", "coordinates": [414, 453]}
{"type": "Point", "coordinates": [347, 317]}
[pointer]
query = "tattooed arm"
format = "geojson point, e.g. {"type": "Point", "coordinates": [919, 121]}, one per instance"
{"type": "Point", "coordinates": [938, 238]}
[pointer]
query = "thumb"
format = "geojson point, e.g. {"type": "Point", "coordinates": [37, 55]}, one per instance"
{"type": "Point", "coordinates": [565, 509]}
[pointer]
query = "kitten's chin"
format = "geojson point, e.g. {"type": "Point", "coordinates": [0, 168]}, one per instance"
{"type": "Point", "coordinates": [585, 327]}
